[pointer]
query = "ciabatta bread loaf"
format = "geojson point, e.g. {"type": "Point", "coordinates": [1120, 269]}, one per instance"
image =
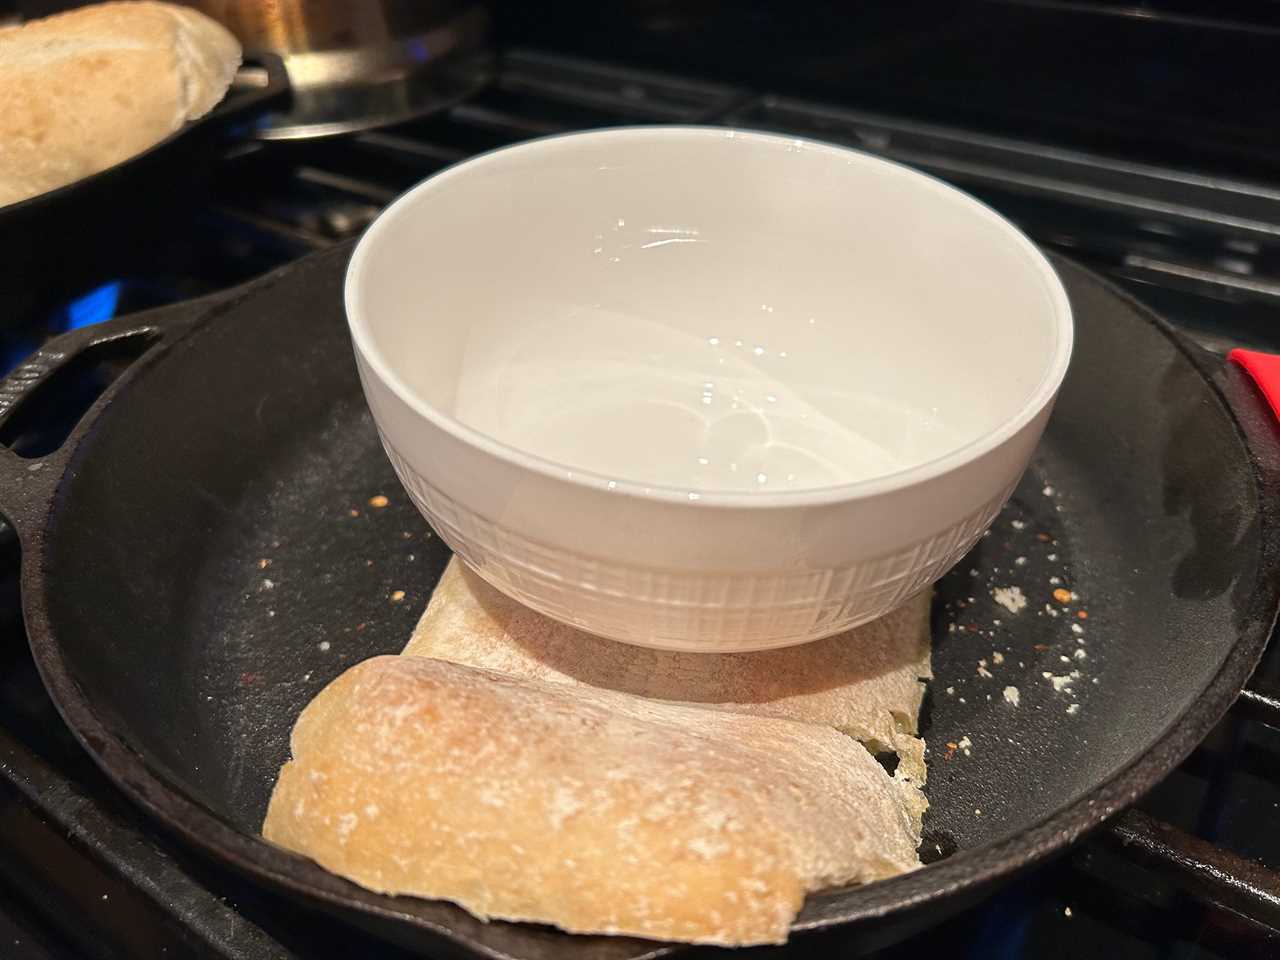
{"type": "Point", "coordinates": [596, 811]}
{"type": "Point", "coordinates": [84, 90]}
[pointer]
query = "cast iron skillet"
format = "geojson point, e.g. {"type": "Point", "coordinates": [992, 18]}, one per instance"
{"type": "Point", "coordinates": [200, 558]}
{"type": "Point", "coordinates": [65, 239]}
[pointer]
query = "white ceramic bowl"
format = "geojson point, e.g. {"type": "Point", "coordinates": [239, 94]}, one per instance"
{"type": "Point", "coordinates": [529, 324]}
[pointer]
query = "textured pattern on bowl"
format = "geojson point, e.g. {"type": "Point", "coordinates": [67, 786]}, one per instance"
{"type": "Point", "coordinates": [662, 608]}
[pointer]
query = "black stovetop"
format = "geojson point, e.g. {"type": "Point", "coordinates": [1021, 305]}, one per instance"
{"type": "Point", "coordinates": [84, 873]}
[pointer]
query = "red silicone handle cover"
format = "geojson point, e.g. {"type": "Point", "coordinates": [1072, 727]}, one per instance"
{"type": "Point", "coordinates": [1265, 370]}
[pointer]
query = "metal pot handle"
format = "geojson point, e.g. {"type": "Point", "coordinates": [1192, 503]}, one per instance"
{"type": "Point", "coordinates": [28, 483]}
{"type": "Point", "coordinates": [261, 84]}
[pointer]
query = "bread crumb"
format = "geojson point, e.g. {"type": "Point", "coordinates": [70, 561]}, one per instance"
{"type": "Point", "coordinates": [1020, 561]}
{"type": "Point", "coordinates": [1066, 912]}
{"type": "Point", "coordinates": [1062, 596]}
{"type": "Point", "coordinates": [264, 563]}
{"type": "Point", "coordinates": [982, 669]}
{"type": "Point", "coordinates": [1012, 696]}
{"type": "Point", "coordinates": [1017, 525]}
{"type": "Point", "coordinates": [1052, 557]}
{"type": "Point", "coordinates": [1059, 683]}
{"type": "Point", "coordinates": [324, 645]}
{"type": "Point", "coordinates": [353, 512]}
{"type": "Point", "coordinates": [1074, 708]}
{"type": "Point", "coordinates": [1047, 491]}
{"type": "Point", "coordinates": [997, 657]}
{"type": "Point", "coordinates": [1010, 598]}
{"type": "Point", "coordinates": [964, 743]}
{"type": "Point", "coordinates": [378, 502]}
{"type": "Point", "coordinates": [1080, 654]}
{"type": "Point", "coordinates": [1077, 629]}
{"type": "Point", "coordinates": [268, 584]}
{"type": "Point", "coordinates": [397, 596]}
{"type": "Point", "coordinates": [951, 691]}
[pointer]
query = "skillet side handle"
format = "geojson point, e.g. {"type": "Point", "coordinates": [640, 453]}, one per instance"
{"type": "Point", "coordinates": [28, 483]}
{"type": "Point", "coordinates": [1264, 368]}
{"type": "Point", "coordinates": [1255, 399]}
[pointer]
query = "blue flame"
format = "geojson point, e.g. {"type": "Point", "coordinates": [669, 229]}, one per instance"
{"type": "Point", "coordinates": [94, 307]}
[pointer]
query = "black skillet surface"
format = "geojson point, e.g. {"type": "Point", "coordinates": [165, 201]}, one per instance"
{"type": "Point", "coordinates": [201, 557]}
{"type": "Point", "coordinates": [73, 237]}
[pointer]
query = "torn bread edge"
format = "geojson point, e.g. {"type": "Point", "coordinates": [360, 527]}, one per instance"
{"type": "Point", "coordinates": [868, 683]}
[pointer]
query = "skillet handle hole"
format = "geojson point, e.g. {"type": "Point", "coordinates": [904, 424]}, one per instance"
{"type": "Point", "coordinates": [47, 413]}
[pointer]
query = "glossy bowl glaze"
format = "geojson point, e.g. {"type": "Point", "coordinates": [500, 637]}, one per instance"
{"type": "Point", "coordinates": [704, 389]}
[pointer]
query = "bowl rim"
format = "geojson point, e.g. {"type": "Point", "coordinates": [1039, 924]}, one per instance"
{"type": "Point", "coordinates": [915, 474]}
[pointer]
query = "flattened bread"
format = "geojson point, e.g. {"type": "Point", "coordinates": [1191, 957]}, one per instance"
{"type": "Point", "coordinates": [596, 811]}
{"type": "Point", "coordinates": [86, 89]}
{"type": "Point", "coordinates": [865, 683]}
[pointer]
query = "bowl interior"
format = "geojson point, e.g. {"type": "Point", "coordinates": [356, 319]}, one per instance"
{"type": "Point", "coordinates": [708, 309]}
